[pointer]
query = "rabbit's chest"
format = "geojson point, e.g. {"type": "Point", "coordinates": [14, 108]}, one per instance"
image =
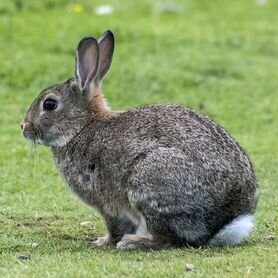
{"type": "Point", "coordinates": [79, 176]}
{"type": "Point", "coordinates": [90, 183]}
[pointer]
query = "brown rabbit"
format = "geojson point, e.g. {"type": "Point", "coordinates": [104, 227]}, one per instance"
{"type": "Point", "coordinates": [160, 175]}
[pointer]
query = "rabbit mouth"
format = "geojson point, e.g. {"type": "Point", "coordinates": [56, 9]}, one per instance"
{"type": "Point", "coordinates": [32, 134]}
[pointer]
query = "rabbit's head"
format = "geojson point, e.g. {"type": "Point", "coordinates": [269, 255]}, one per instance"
{"type": "Point", "coordinates": [60, 112]}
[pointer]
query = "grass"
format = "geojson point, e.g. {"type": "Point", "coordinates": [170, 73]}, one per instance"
{"type": "Point", "coordinates": [218, 57]}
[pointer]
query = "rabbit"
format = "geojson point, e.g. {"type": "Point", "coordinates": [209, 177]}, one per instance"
{"type": "Point", "coordinates": [162, 176]}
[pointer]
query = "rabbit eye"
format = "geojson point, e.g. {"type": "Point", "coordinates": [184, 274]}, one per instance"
{"type": "Point", "coordinates": [50, 104]}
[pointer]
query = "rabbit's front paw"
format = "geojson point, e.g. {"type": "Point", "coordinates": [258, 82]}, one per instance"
{"type": "Point", "coordinates": [102, 241]}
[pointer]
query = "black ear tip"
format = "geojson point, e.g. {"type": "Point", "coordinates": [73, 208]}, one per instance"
{"type": "Point", "coordinates": [108, 34]}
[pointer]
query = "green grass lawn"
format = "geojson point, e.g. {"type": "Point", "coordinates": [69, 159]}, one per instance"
{"type": "Point", "coordinates": [219, 57]}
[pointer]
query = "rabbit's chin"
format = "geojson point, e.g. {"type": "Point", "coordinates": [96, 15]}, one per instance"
{"type": "Point", "coordinates": [57, 142]}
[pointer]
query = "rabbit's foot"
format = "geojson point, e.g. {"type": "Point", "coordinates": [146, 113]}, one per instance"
{"type": "Point", "coordinates": [131, 242]}
{"type": "Point", "coordinates": [103, 241]}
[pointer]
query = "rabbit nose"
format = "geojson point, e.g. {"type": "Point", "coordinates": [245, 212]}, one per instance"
{"type": "Point", "coordinates": [23, 125]}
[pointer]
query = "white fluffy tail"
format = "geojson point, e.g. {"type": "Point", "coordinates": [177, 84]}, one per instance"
{"type": "Point", "coordinates": [234, 232]}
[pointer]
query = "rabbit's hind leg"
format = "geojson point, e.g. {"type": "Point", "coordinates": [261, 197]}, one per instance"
{"type": "Point", "coordinates": [142, 238]}
{"type": "Point", "coordinates": [136, 241]}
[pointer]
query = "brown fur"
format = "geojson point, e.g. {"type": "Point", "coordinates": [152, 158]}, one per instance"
{"type": "Point", "coordinates": [97, 101]}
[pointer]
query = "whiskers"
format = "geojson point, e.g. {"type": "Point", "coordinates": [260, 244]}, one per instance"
{"type": "Point", "coordinates": [38, 134]}
{"type": "Point", "coordinates": [31, 148]}
{"type": "Point", "coordinates": [36, 161]}
{"type": "Point", "coordinates": [32, 155]}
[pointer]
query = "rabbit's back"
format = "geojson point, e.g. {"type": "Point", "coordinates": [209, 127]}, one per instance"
{"type": "Point", "coordinates": [197, 136]}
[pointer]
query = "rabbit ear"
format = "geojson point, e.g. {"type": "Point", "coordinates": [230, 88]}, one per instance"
{"type": "Point", "coordinates": [87, 62]}
{"type": "Point", "coordinates": [106, 50]}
